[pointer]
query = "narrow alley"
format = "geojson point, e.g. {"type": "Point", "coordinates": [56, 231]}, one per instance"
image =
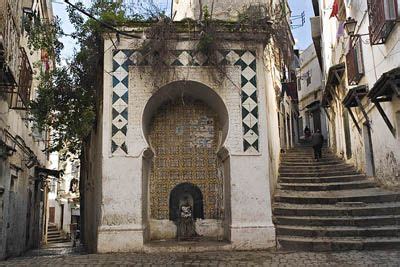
{"type": "Point", "coordinates": [200, 132]}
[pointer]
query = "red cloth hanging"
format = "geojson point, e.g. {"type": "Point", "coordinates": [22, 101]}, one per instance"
{"type": "Point", "coordinates": [335, 9]}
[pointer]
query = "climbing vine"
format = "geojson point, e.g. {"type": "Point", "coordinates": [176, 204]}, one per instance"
{"type": "Point", "coordinates": [69, 96]}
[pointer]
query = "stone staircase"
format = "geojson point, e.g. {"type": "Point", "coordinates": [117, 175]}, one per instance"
{"type": "Point", "coordinates": [327, 205]}
{"type": "Point", "coordinates": [54, 235]}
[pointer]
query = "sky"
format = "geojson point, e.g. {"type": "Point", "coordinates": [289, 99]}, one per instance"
{"type": "Point", "coordinates": [302, 35]}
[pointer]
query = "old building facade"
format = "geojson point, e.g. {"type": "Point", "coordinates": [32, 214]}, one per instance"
{"type": "Point", "coordinates": [63, 199]}
{"type": "Point", "coordinates": [312, 115]}
{"type": "Point", "coordinates": [358, 47]}
{"type": "Point", "coordinates": [22, 160]}
{"type": "Point", "coordinates": [198, 130]}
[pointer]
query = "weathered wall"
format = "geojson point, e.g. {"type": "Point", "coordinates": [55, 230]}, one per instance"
{"type": "Point", "coordinates": [123, 222]}
{"type": "Point", "coordinates": [272, 80]}
{"type": "Point", "coordinates": [90, 183]}
{"type": "Point", "coordinates": [309, 65]}
{"type": "Point", "coordinates": [220, 9]}
{"type": "Point", "coordinates": [377, 59]}
{"type": "Point", "coordinates": [310, 90]}
{"type": "Point", "coordinates": [17, 199]}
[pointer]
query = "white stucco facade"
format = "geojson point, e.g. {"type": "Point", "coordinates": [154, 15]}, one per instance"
{"type": "Point", "coordinates": [125, 224]}
{"type": "Point", "coordinates": [310, 93]}
{"type": "Point", "coordinates": [377, 60]}
{"type": "Point", "coordinates": [220, 9]}
{"type": "Point", "coordinates": [22, 201]}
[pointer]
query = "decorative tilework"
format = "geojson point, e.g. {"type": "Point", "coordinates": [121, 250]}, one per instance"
{"type": "Point", "coordinates": [246, 59]}
{"type": "Point", "coordinates": [184, 136]}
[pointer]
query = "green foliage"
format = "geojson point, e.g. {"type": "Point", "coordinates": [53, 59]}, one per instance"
{"type": "Point", "coordinates": [67, 96]}
{"type": "Point", "coordinates": [208, 35]}
{"type": "Point", "coordinates": [64, 107]}
{"type": "Point", "coordinates": [44, 35]}
{"type": "Point", "coordinates": [156, 46]}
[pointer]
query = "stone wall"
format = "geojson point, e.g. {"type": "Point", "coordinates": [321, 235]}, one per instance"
{"type": "Point", "coordinates": [126, 152]}
{"type": "Point", "coordinates": [377, 59]}
{"type": "Point", "coordinates": [220, 9]}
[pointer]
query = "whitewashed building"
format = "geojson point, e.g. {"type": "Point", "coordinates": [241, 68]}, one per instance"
{"type": "Point", "coordinates": [359, 52]}
{"type": "Point", "coordinates": [310, 89]}
{"type": "Point", "coordinates": [63, 196]}
{"type": "Point", "coordinates": [23, 164]}
{"type": "Point", "coordinates": [187, 129]}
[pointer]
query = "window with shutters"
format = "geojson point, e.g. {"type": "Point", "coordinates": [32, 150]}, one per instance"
{"type": "Point", "coordinates": [354, 61]}
{"type": "Point", "coordinates": [382, 18]}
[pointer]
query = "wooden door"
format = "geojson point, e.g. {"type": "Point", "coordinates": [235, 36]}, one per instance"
{"type": "Point", "coordinates": [52, 215]}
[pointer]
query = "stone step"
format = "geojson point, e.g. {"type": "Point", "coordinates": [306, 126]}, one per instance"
{"type": "Point", "coordinates": [328, 205]}
{"type": "Point", "coordinates": [58, 241]}
{"type": "Point", "coordinates": [307, 153]}
{"type": "Point", "coordinates": [54, 234]}
{"type": "Point", "coordinates": [313, 167]}
{"type": "Point", "coordinates": [308, 157]}
{"type": "Point", "coordinates": [359, 221]}
{"type": "Point", "coordinates": [311, 163]}
{"type": "Point", "coordinates": [338, 231]}
{"type": "Point", "coordinates": [327, 186]}
{"type": "Point", "coordinates": [338, 244]}
{"type": "Point", "coordinates": [327, 179]}
{"type": "Point", "coordinates": [350, 209]}
{"type": "Point", "coordinates": [333, 197]}
{"type": "Point", "coordinates": [327, 173]}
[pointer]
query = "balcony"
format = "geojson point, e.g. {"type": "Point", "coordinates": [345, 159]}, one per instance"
{"type": "Point", "coordinates": [19, 88]}
{"type": "Point", "coordinates": [354, 61]}
{"type": "Point", "coordinates": [382, 18]}
{"type": "Point", "coordinates": [25, 79]}
{"type": "Point", "coordinates": [316, 36]}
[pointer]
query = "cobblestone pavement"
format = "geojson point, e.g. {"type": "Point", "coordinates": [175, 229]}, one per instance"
{"type": "Point", "coordinates": [257, 258]}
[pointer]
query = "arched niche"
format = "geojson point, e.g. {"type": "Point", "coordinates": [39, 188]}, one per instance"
{"type": "Point", "coordinates": [190, 192]}
{"type": "Point", "coordinates": [182, 89]}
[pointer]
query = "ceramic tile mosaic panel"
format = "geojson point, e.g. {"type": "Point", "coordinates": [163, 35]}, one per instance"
{"type": "Point", "coordinates": [184, 135]}
{"type": "Point", "coordinates": [246, 59]}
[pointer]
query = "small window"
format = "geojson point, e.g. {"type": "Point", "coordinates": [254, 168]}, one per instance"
{"type": "Point", "coordinates": [354, 61]}
{"type": "Point", "coordinates": [12, 183]}
{"type": "Point", "coordinates": [308, 78]}
{"type": "Point", "coordinates": [14, 178]}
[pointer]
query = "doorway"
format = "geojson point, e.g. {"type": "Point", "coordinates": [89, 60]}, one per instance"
{"type": "Point", "coordinates": [347, 136]}
{"type": "Point", "coordinates": [52, 214]}
{"type": "Point", "coordinates": [62, 216]}
{"type": "Point", "coordinates": [316, 120]}
{"type": "Point", "coordinates": [369, 152]}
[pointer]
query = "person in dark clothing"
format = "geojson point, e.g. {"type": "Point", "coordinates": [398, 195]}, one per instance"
{"type": "Point", "coordinates": [307, 132]}
{"type": "Point", "coordinates": [317, 142]}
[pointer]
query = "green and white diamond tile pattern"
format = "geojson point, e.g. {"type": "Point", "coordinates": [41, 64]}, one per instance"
{"type": "Point", "coordinates": [246, 59]}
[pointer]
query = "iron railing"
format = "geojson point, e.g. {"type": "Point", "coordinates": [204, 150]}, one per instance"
{"type": "Point", "coordinates": [382, 18]}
